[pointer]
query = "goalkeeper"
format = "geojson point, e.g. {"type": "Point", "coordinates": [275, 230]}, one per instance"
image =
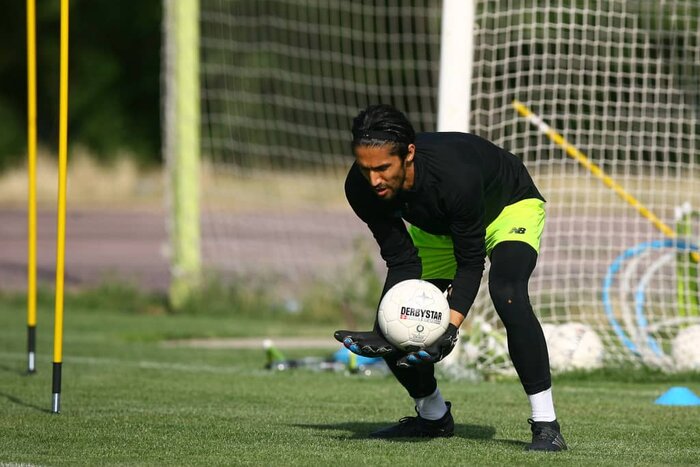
{"type": "Point", "coordinates": [464, 198]}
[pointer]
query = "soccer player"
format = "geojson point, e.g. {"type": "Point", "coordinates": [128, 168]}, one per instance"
{"type": "Point", "coordinates": [463, 198]}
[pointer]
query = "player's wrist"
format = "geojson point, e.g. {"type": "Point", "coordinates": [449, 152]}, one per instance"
{"type": "Point", "coordinates": [456, 318]}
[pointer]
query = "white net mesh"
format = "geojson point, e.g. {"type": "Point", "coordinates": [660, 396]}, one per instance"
{"type": "Point", "coordinates": [619, 80]}
{"type": "Point", "coordinates": [282, 79]}
{"type": "Point", "coordinates": [281, 83]}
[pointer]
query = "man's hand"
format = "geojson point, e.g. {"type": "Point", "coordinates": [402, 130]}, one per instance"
{"type": "Point", "coordinates": [364, 343]}
{"type": "Point", "coordinates": [433, 353]}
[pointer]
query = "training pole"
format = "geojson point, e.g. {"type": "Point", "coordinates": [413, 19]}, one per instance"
{"type": "Point", "coordinates": [31, 198]}
{"type": "Point", "coordinates": [581, 158]}
{"type": "Point", "coordinates": [61, 218]}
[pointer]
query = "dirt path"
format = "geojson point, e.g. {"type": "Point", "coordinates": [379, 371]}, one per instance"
{"type": "Point", "coordinates": [99, 245]}
{"type": "Point", "coordinates": [133, 245]}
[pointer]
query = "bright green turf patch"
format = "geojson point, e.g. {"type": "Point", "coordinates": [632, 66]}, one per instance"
{"type": "Point", "coordinates": [128, 399]}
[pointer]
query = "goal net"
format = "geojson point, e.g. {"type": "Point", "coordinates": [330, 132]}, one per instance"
{"type": "Point", "coordinates": [281, 82]}
{"type": "Point", "coordinates": [619, 81]}
{"type": "Point", "coordinates": [282, 79]}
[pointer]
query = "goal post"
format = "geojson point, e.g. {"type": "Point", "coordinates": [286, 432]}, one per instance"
{"type": "Point", "coordinates": [281, 80]}
{"type": "Point", "coordinates": [181, 116]}
{"type": "Point", "coordinates": [456, 60]}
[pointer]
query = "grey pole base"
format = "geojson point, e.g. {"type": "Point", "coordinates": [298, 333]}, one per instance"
{"type": "Point", "coordinates": [56, 403]}
{"type": "Point", "coordinates": [31, 362]}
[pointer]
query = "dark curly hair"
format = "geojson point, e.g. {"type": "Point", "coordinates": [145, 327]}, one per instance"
{"type": "Point", "coordinates": [380, 125]}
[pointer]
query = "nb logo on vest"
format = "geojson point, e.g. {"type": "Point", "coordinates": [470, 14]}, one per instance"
{"type": "Point", "coordinates": [518, 230]}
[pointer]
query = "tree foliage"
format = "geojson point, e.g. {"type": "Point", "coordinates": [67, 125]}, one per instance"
{"type": "Point", "coordinates": [114, 66]}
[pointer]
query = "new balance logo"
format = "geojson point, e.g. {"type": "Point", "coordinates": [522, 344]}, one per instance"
{"type": "Point", "coordinates": [518, 230]}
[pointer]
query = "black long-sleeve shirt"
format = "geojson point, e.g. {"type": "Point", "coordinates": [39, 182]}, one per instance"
{"type": "Point", "coordinates": [462, 183]}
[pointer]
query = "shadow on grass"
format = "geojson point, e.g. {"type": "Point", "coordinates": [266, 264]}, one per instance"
{"type": "Point", "coordinates": [8, 369]}
{"type": "Point", "coordinates": [18, 401]}
{"type": "Point", "coordinates": [361, 430]}
{"type": "Point", "coordinates": [14, 399]}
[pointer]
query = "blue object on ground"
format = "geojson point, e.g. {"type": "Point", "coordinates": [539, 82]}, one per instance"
{"type": "Point", "coordinates": [343, 355]}
{"type": "Point", "coordinates": [678, 395]}
{"type": "Point", "coordinates": [616, 266]}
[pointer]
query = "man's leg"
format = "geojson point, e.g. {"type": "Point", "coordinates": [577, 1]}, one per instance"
{"type": "Point", "coordinates": [434, 418]}
{"type": "Point", "coordinates": [512, 263]}
{"type": "Point", "coordinates": [418, 380]}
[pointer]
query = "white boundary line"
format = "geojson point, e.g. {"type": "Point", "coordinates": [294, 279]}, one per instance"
{"type": "Point", "coordinates": [142, 364]}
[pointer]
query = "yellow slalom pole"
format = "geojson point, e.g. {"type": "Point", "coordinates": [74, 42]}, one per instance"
{"type": "Point", "coordinates": [61, 221]}
{"type": "Point", "coordinates": [581, 158]}
{"type": "Point", "coordinates": [31, 198]}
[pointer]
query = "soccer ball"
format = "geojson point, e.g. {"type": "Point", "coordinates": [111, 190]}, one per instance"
{"type": "Point", "coordinates": [686, 354]}
{"type": "Point", "coordinates": [413, 314]}
{"type": "Point", "coordinates": [573, 346]}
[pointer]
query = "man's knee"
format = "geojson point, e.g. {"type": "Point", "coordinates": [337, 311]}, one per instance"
{"type": "Point", "coordinates": [511, 301]}
{"type": "Point", "coordinates": [508, 292]}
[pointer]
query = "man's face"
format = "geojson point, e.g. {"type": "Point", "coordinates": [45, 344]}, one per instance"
{"type": "Point", "coordinates": [385, 172]}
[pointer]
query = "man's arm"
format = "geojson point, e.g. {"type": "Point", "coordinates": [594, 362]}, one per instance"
{"type": "Point", "coordinates": [468, 234]}
{"type": "Point", "coordinates": [388, 228]}
{"type": "Point", "coordinates": [456, 318]}
{"type": "Point", "coordinates": [397, 250]}
{"type": "Point", "coordinates": [403, 263]}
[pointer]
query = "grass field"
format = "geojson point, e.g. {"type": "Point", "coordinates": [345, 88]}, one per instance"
{"type": "Point", "coordinates": [129, 399]}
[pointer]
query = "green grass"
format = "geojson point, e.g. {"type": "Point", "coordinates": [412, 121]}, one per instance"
{"type": "Point", "coordinates": [129, 399]}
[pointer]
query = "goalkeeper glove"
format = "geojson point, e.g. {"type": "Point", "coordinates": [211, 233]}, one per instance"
{"type": "Point", "coordinates": [433, 353]}
{"type": "Point", "coordinates": [364, 343]}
